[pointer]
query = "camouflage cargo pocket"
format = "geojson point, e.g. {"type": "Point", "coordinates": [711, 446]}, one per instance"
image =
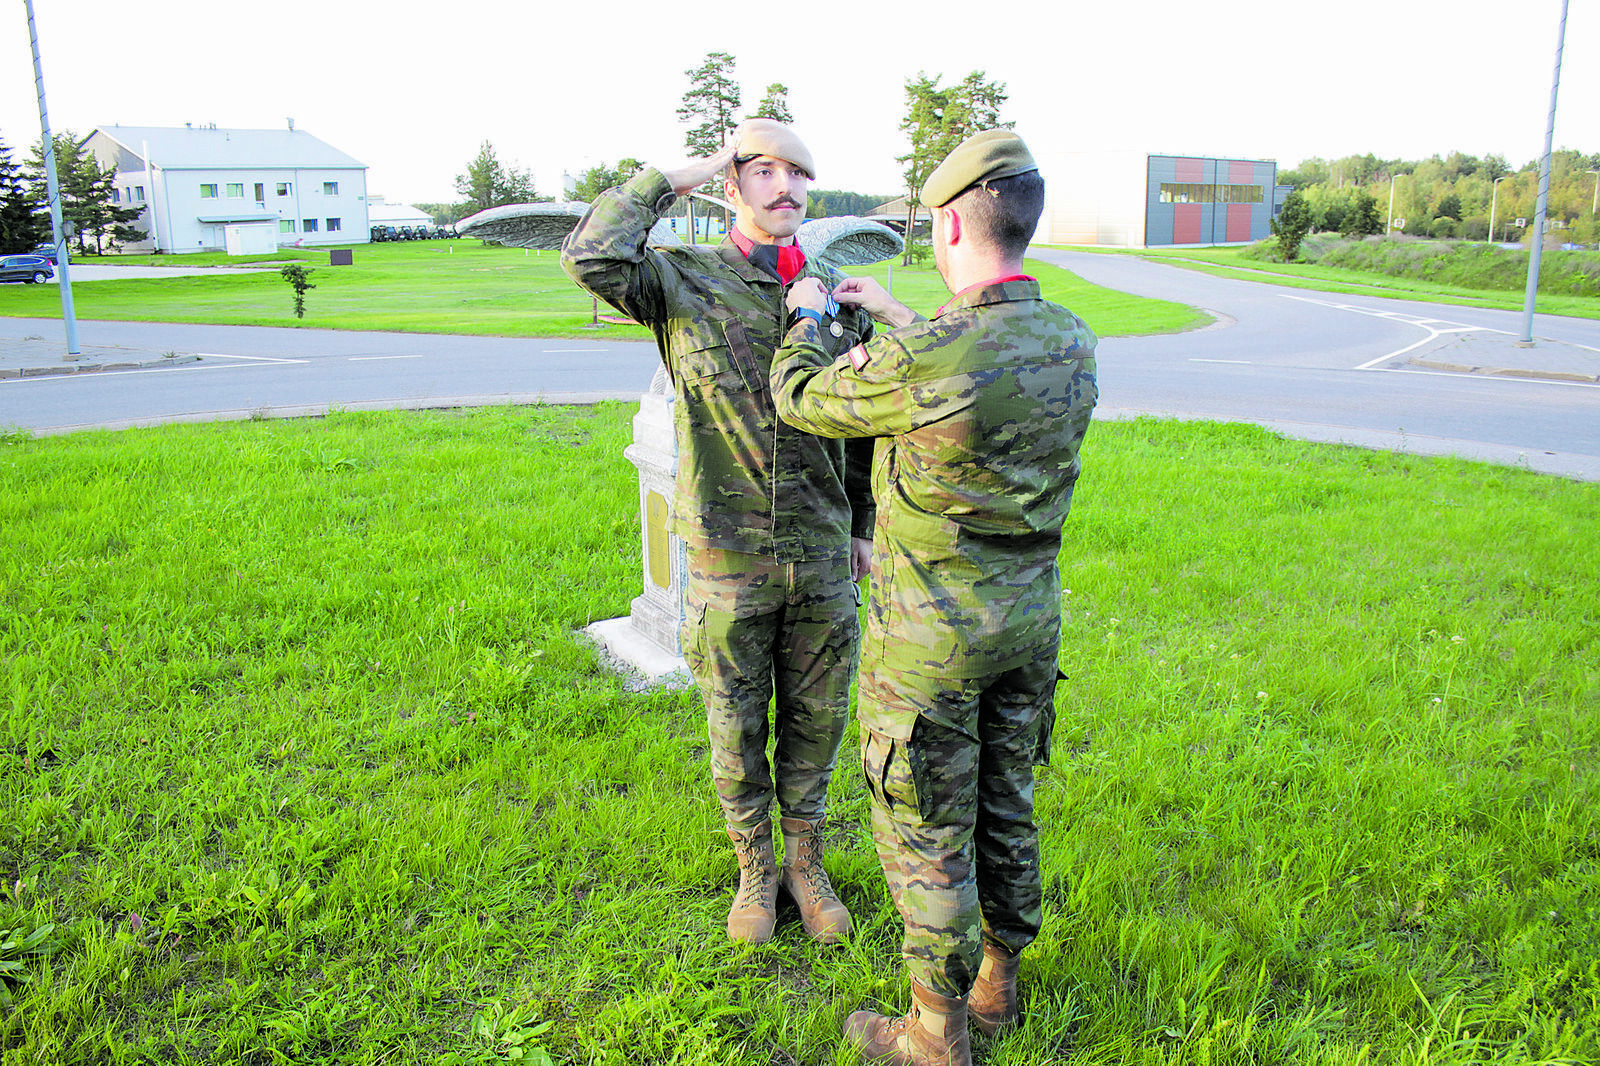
{"type": "Point", "coordinates": [692, 635]}
{"type": "Point", "coordinates": [890, 777]}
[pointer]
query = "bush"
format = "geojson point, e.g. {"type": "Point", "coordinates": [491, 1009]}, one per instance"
{"type": "Point", "coordinates": [1471, 266]}
{"type": "Point", "coordinates": [1442, 228]}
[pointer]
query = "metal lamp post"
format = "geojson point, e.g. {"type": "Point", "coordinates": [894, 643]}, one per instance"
{"type": "Point", "coordinates": [53, 188]}
{"type": "Point", "coordinates": [1526, 340]}
{"type": "Point", "coordinates": [1493, 197]}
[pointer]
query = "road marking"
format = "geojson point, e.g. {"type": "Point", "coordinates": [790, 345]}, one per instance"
{"type": "Point", "coordinates": [1434, 333]}
{"type": "Point", "coordinates": [375, 358]}
{"type": "Point", "coordinates": [252, 358]}
{"type": "Point", "coordinates": [187, 368]}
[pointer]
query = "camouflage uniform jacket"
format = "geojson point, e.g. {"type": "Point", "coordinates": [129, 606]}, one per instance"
{"type": "Point", "coordinates": [746, 481]}
{"type": "Point", "coordinates": [981, 412]}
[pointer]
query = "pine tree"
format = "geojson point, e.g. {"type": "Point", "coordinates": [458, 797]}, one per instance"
{"type": "Point", "coordinates": [937, 119]}
{"type": "Point", "coordinates": [87, 194]}
{"type": "Point", "coordinates": [22, 227]}
{"type": "Point", "coordinates": [489, 183]}
{"type": "Point", "coordinates": [712, 102]}
{"type": "Point", "coordinates": [775, 104]}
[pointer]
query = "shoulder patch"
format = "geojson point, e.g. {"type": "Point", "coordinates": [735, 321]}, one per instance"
{"type": "Point", "coordinates": [858, 357]}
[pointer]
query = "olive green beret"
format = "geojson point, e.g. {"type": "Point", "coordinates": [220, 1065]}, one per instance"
{"type": "Point", "coordinates": [763, 136]}
{"type": "Point", "coordinates": [982, 157]}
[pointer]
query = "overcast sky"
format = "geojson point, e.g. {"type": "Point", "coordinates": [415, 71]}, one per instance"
{"type": "Point", "coordinates": [562, 86]}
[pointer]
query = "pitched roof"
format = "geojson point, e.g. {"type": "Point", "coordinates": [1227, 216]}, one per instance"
{"type": "Point", "coordinates": [186, 146]}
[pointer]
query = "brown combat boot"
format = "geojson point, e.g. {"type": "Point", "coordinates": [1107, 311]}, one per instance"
{"type": "Point", "coordinates": [992, 1004]}
{"type": "Point", "coordinates": [932, 1033]}
{"type": "Point", "coordinates": [755, 906]}
{"type": "Point", "coordinates": [825, 918]}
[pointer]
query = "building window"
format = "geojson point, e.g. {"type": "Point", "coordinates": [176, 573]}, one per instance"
{"type": "Point", "coordinates": [330, 188]}
{"type": "Point", "coordinates": [1190, 193]}
{"type": "Point", "coordinates": [208, 192]}
{"type": "Point", "coordinates": [116, 196]}
{"type": "Point", "coordinates": [138, 194]}
{"type": "Point", "coordinates": [285, 188]}
{"type": "Point", "coordinates": [285, 225]}
{"type": "Point", "coordinates": [308, 225]}
{"type": "Point", "coordinates": [236, 190]}
{"type": "Point", "coordinates": [333, 225]}
{"type": "Point", "coordinates": [261, 193]}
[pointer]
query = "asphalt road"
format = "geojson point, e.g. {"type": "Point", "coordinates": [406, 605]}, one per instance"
{"type": "Point", "coordinates": [1339, 368]}
{"type": "Point", "coordinates": [1313, 365]}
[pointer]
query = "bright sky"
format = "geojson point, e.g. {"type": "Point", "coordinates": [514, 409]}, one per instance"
{"type": "Point", "coordinates": [561, 86]}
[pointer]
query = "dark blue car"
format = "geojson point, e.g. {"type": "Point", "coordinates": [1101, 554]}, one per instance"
{"type": "Point", "coordinates": [29, 268]}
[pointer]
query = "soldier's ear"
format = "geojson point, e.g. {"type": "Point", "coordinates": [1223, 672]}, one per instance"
{"type": "Point", "coordinates": [950, 218]}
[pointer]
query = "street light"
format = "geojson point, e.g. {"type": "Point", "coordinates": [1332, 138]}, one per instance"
{"type": "Point", "coordinates": [1492, 199]}
{"type": "Point", "coordinates": [1596, 205]}
{"type": "Point", "coordinates": [1389, 228]}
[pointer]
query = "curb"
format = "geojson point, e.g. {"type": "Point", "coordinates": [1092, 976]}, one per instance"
{"type": "Point", "coordinates": [92, 368]}
{"type": "Point", "coordinates": [1506, 372]}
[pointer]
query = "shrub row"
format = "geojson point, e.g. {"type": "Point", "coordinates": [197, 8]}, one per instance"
{"type": "Point", "coordinates": [1470, 265]}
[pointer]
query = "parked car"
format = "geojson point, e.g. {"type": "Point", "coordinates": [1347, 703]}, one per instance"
{"type": "Point", "coordinates": [48, 251]}
{"type": "Point", "coordinates": [29, 268]}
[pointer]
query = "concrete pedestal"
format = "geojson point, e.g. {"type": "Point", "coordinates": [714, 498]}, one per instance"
{"type": "Point", "coordinates": [645, 645]}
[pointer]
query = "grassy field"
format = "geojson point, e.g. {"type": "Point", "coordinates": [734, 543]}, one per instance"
{"type": "Point", "coordinates": [1234, 263]}
{"type": "Point", "coordinates": [463, 286]}
{"type": "Point", "coordinates": [307, 765]}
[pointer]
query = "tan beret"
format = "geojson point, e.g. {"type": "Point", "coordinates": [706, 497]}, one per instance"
{"type": "Point", "coordinates": [763, 136]}
{"type": "Point", "coordinates": [982, 157]}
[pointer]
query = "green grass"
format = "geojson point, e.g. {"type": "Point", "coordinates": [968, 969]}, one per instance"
{"type": "Point", "coordinates": [462, 286]}
{"type": "Point", "coordinates": [305, 764]}
{"type": "Point", "coordinates": [1236, 263]}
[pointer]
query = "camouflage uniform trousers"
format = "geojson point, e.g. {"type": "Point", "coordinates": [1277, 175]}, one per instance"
{"type": "Point", "coordinates": [755, 629]}
{"type": "Point", "coordinates": [952, 810]}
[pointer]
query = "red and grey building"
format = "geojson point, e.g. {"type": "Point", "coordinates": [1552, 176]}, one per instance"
{"type": "Point", "coordinates": [1138, 200]}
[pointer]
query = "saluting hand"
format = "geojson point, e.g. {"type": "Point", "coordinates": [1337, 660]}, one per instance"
{"type": "Point", "coordinates": [692, 175]}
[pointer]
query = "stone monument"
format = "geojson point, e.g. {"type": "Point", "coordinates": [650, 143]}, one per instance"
{"type": "Point", "coordinates": [646, 643]}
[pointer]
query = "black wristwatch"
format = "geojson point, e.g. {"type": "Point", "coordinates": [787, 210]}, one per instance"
{"type": "Point", "coordinates": [805, 312]}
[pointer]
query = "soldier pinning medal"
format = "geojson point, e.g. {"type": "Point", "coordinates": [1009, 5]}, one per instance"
{"type": "Point", "coordinates": [775, 520]}
{"type": "Point", "coordinates": [979, 415]}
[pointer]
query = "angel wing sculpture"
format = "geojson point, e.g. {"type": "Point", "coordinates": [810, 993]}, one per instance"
{"type": "Point", "coordinates": [846, 239]}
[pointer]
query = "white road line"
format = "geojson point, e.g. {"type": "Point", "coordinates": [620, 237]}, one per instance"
{"type": "Point", "coordinates": [189, 368]}
{"type": "Point", "coordinates": [375, 358]}
{"type": "Point", "coordinates": [252, 358]}
{"type": "Point", "coordinates": [1445, 326]}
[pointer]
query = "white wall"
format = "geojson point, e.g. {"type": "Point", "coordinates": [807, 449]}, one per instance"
{"type": "Point", "coordinates": [1095, 198]}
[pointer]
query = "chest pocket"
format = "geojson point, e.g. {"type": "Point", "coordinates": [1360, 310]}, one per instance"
{"type": "Point", "coordinates": [717, 355]}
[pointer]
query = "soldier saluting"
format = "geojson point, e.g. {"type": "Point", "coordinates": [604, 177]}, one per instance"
{"type": "Point", "coordinates": [980, 413]}
{"type": "Point", "coordinates": [767, 512]}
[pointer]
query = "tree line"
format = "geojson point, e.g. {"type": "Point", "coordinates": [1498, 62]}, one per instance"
{"type": "Point", "coordinates": [1452, 196]}
{"type": "Point", "coordinates": [90, 209]}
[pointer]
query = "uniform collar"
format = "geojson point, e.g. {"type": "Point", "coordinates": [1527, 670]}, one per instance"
{"type": "Point", "coordinates": [791, 257]}
{"type": "Point", "coordinates": [992, 291]}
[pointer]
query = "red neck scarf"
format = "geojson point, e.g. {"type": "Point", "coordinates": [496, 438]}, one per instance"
{"type": "Point", "coordinates": [785, 260]}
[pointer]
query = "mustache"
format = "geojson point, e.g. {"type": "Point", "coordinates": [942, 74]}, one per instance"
{"type": "Point", "coordinates": [783, 201]}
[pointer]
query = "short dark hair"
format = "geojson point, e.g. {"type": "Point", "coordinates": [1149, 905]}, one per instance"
{"type": "Point", "coordinates": [1004, 210]}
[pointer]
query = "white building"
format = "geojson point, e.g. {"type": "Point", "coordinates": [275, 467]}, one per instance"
{"type": "Point", "coordinates": [240, 191]}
